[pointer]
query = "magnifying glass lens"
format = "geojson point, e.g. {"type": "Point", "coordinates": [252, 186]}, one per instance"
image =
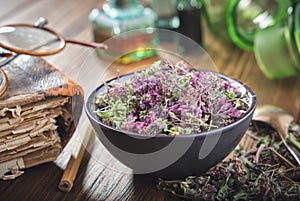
{"type": "Point", "coordinates": [30, 40]}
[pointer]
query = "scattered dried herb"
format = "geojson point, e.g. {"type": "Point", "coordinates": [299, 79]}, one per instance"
{"type": "Point", "coordinates": [171, 100]}
{"type": "Point", "coordinates": [266, 172]}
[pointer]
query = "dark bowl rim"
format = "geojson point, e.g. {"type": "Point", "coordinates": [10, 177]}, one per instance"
{"type": "Point", "coordinates": [249, 112]}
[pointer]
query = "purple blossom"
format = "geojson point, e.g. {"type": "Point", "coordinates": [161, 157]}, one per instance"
{"type": "Point", "coordinates": [173, 99]}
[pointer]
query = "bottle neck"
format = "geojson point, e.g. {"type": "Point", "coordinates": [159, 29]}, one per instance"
{"type": "Point", "coordinates": [188, 5]}
{"type": "Point", "coordinates": [122, 9]}
{"type": "Point", "coordinates": [122, 3]}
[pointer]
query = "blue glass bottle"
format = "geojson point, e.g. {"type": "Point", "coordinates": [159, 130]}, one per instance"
{"type": "Point", "coordinates": [120, 17]}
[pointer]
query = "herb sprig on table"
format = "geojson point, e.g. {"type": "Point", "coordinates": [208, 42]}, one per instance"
{"type": "Point", "coordinates": [171, 99]}
{"type": "Point", "coordinates": [266, 172]}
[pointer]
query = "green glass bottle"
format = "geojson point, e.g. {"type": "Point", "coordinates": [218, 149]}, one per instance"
{"type": "Point", "coordinates": [245, 17]}
{"type": "Point", "coordinates": [277, 48]}
{"type": "Point", "coordinates": [121, 17]}
{"type": "Point", "coordinates": [296, 28]}
{"type": "Point", "coordinates": [237, 21]}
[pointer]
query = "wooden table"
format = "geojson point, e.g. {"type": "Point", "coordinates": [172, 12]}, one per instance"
{"type": "Point", "coordinates": [100, 180]}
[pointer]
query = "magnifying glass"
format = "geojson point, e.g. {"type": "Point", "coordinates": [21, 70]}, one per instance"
{"type": "Point", "coordinates": [36, 39]}
{"type": "Point", "coordinates": [32, 39]}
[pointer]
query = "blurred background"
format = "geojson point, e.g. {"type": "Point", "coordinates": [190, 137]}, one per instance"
{"type": "Point", "coordinates": [227, 31]}
{"type": "Point", "coordinates": [256, 42]}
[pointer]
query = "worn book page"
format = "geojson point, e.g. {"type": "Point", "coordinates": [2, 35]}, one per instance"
{"type": "Point", "coordinates": [37, 114]}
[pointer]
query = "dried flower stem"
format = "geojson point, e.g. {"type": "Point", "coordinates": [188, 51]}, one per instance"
{"type": "Point", "coordinates": [268, 173]}
{"type": "Point", "coordinates": [281, 157]}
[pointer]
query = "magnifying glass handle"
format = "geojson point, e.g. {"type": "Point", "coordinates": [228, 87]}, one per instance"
{"type": "Point", "coordinates": [87, 44]}
{"type": "Point", "coordinates": [40, 22]}
{"type": "Point", "coordinates": [43, 21]}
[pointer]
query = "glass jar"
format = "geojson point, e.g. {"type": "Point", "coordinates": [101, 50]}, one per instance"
{"type": "Point", "coordinates": [119, 16]}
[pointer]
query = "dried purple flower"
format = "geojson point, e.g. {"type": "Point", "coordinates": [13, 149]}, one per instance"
{"type": "Point", "coordinates": [171, 100]}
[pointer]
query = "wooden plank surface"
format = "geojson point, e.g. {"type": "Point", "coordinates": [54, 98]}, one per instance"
{"type": "Point", "coordinates": [97, 177]}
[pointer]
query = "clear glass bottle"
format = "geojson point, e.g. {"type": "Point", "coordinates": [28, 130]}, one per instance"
{"type": "Point", "coordinates": [119, 16]}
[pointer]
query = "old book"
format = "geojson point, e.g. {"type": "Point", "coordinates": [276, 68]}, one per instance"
{"type": "Point", "coordinates": [37, 114]}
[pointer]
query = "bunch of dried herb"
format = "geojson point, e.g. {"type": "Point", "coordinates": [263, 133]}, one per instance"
{"type": "Point", "coordinates": [266, 172]}
{"type": "Point", "coordinates": [171, 99]}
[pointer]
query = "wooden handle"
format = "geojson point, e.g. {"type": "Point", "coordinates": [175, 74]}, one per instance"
{"type": "Point", "coordinates": [67, 180]}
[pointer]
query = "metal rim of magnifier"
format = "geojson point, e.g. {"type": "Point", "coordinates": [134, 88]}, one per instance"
{"type": "Point", "coordinates": [3, 76]}
{"type": "Point", "coordinates": [36, 53]}
{"type": "Point", "coordinates": [4, 83]}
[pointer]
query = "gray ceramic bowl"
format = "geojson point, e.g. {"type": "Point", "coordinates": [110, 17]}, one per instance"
{"type": "Point", "coordinates": [171, 157]}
